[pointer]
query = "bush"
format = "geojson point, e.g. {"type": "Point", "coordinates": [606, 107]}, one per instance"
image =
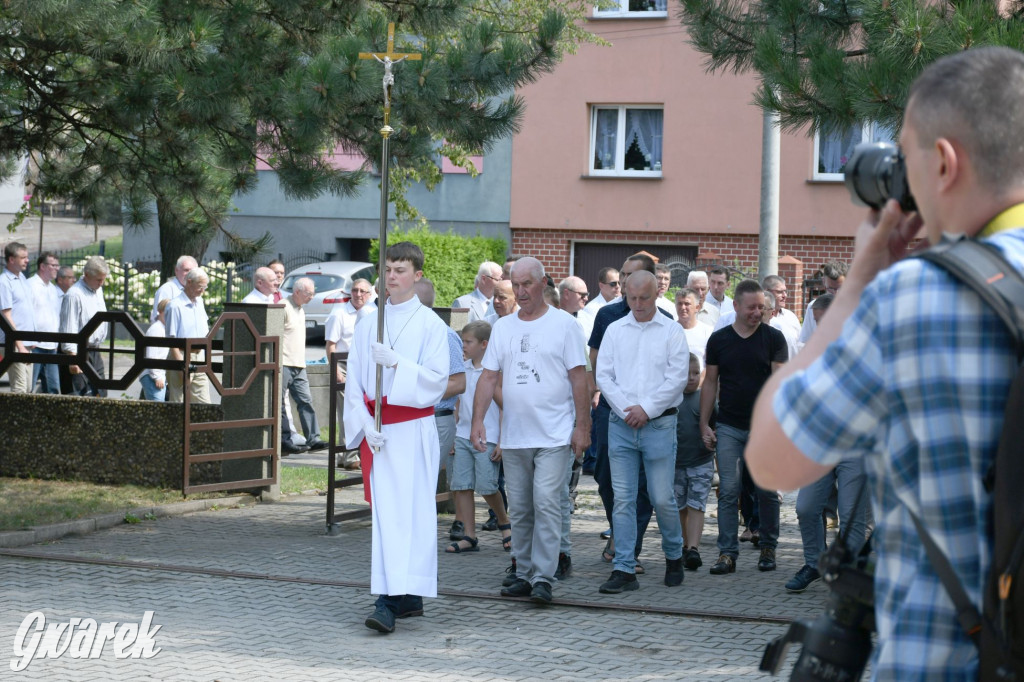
{"type": "Point", "coordinates": [450, 260]}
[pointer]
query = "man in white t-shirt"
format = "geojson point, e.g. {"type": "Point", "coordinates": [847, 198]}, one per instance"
{"type": "Point", "coordinates": [697, 332]}
{"type": "Point", "coordinates": [545, 421]}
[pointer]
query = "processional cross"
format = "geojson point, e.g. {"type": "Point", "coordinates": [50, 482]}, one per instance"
{"type": "Point", "coordinates": [388, 59]}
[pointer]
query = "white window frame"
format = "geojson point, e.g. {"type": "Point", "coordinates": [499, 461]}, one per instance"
{"type": "Point", "coordinates": [867, 133]}
{"type": "Point", "coordinates": [623, 12]}
{"type": "Point", "coordinates": [620, 142]}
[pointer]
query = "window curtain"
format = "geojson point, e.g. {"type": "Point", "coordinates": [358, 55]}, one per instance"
{"type": "Point", "coordinates": [835, 150]}
{"type": "Point", "coordinates": [605, 130]}
{"type": "Point", "coordinates": [645, 125]}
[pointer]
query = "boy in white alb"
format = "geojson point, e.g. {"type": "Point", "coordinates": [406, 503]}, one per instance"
{"type": "Point", "coordinates": [472, 470]}
{"type": "Point", "coordinates": [400, 475]}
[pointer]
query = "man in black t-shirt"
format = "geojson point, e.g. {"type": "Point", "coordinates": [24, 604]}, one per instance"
{"type": "Point", "coordinates": [740, 358]}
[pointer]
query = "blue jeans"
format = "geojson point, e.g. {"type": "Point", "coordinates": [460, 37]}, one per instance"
{"type": "Point", "coordinates": [654, 444]}
{"type": "Point", "coordinates": [731, 442]}
{"type": "Point", "coordinates": [603, 476]}
{"type": "Point", "coordinates": [49, 373]}
{"type": "Point", "coordinates": [537, 479]}
{"type": "Point", "coordinates": [812, 500]}
{"type": "Point", "coordinates": [150, 391]}
{"type": "Point", "coordinates": [293, 380]}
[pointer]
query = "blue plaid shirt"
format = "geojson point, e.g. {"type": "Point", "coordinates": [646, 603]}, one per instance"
{"type": "Point", "coordinates": [456, 365]}
{"type": "Point", "coordinates": [915, 386]}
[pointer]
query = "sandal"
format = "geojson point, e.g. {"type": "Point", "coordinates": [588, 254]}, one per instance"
{"type": "Point", "coordinates": [457, 548]}
{"type": "Point", "coordinates": [506, 540]}
{"type": "Point", "coordinates": [608, 555]}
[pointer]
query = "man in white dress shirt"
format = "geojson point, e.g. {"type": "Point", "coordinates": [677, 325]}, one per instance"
{"type": "Point", "coordinates": [46, 299]}
{"type": "Point", "coordinates": [718, 281]}
{"type": "Point", "coordinates": [643, 370]}
{"type": "Point", "coordinates": [338, 332]}
{"type": "Point", "coordinates": [479, 299]}
{"type": "Point", "coordinates": [17, 307]}
{"type": "Point", "coordinates": [185, 318]}
{"type": "Point", "coordinates": [83, 300]}
{"type": "Point", "coordinates": [664, 277]}
{"type": "Point", "coordinates": [264, 286]}
{"type": "Point", "coordinates": [173, 287]}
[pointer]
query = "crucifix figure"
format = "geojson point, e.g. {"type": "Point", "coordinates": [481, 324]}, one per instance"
{"type": "Point", "coordinates": [389, 59]}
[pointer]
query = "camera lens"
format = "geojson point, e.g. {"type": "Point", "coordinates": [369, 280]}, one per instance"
{"type": "Point", "coordinates": [868, 174]}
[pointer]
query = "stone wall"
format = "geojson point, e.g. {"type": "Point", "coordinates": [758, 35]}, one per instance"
{"type": "Point", "coordinates": [102, 440]}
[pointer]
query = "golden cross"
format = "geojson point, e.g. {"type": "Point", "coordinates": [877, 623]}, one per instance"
{"type": "Point", "coordinates": [388, 59]}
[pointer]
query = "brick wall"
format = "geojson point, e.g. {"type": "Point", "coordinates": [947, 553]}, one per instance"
{"type": "Point", "coordinates": [553, 248]}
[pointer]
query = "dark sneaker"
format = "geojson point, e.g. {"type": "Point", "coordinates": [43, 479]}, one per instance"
{"type": "Point", "coordinates": [457, 532]}
{"type": "Point", "coordinates": [803, 579]}
{"type": "Point", "coordinates": [746, 535]}
{"type": "Point", "coordinates": [564, 566]}
{"type": "Point", "coordinates": [382, 619]}
{"type": "Point", "coordinates": [292, 449]}
{"type": "Point", "coordinates": [317, 445]}
{"type": "Point", "coordinates": [691, 559]}
{"type": "Point", "coordinates": [491, 523]}
{"type": "Point", "coordinates": [767, 560]}
{"type": "Point", "coordinates": [519, 588]}
{"type": "Point", "coordinates": [619, 582]}
{"type": "Point", "coordinates": [755, 538]}
{"type": "Point", "coordinates": [725, 564]}
{"type": "Point", "coordinates": [410, 605]}
{"type": "Point", "coordinates": [541, 593]}
{"type": "Point", "coordinates": [510, 575]}
{"type": "Point", "coordinates": [674, 572]}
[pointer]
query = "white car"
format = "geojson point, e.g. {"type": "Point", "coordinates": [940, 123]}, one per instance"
{"type": "Point", "coordinates": [333, 282]}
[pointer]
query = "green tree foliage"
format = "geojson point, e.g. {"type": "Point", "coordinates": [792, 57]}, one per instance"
{"type": "Point", "coordinates": [449, 260]}
{"type": "Point", "coordinates": [829, 64]}
{"type": "Point", "coordinates": [171, 103]}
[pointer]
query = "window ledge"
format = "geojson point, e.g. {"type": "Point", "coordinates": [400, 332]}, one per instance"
{"type": "Point", "coordinates": [650, 176]}
{"type": "Point", "coordinates": [630, 15]}
{"type": "Point", "coordinates": [825, 181]}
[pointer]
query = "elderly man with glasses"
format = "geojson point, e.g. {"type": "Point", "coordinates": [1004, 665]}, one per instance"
{"type": "Point", "coordinates": [479, 300]}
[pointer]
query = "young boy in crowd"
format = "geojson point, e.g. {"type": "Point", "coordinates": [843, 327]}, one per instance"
{"type": "Point", "coordinates": [695, 467]}
{"type": "Point", "coordinates": [472, 470]}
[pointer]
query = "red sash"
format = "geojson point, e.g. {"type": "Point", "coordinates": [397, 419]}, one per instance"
{"type": "Point", "coordinates": [392, 414]}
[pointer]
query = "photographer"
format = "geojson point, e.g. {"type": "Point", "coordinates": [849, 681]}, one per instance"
{"type": "Point", "coordinates": [909, 368]}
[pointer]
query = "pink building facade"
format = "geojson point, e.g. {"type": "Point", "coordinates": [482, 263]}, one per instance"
{"type": "Point", "coordinates": [636, 146]}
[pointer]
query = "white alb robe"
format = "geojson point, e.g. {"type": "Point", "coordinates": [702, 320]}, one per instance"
{"type": "Point", "coordinates": [403, 480]}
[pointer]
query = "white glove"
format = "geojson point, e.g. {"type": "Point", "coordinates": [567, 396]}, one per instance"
{"type": "Point", "coordinates": [382, 355]}
{"type": "Point", "coordinates": [374, 438]}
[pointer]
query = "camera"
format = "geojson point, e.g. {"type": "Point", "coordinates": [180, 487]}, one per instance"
{"type": "Point", "coordinates": [876, 173]}
{"type": "Point", "coordinates": [836, 646]}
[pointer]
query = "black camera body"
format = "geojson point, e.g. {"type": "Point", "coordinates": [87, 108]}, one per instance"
{"type": "Point", "coordinates": [836, 646]}
{"type": "Point", "coordinates": [876, 173]}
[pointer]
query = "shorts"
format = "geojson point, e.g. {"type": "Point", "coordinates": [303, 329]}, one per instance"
{"type": "Point", "coordinates": [693, 485]}
{"type": "Point", "coordinates": [474, 470]}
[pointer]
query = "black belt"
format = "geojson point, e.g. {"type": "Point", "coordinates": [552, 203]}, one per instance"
{"type": "Point", "coordinates": [668, 413]}
{"type": "Point", "coordinates": [443, 413]}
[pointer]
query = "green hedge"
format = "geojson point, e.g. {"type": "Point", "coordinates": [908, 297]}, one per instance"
{"type": "Point", "coordinates": [450, 260]}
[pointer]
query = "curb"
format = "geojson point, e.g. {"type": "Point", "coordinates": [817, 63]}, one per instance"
{"type": "Point", "coordinates": [55, 531]}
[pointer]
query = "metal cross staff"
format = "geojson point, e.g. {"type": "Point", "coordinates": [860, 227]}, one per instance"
{"type": "Point", "coordinates": [388, 59]}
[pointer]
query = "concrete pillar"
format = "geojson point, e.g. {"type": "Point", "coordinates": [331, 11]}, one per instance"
{"type": "Point", "coordinates": [768, 239]}
{"type": "Point", "coordinates": [256, 403]}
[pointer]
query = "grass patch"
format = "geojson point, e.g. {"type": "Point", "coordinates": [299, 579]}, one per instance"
{"type": "Point", "coordinates": [33, 502]}
{"type": "Point", "coordinates": [297, 479]}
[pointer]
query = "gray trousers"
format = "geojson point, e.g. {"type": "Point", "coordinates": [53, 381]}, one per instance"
{"type": "Point", "coordinates": [537, 480]}
{"type": "Point", "coordinates": [293, 380]}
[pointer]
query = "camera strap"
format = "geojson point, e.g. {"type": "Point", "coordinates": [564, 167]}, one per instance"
{"type": "Point", "coordinates": [966, 612]}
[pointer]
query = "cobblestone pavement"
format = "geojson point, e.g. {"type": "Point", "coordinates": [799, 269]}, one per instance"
{"type": "Point", "coordinates": [297, 613]}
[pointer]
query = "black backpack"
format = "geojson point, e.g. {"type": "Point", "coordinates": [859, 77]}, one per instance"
{"type": "Point", "coordinates": [998, 631]}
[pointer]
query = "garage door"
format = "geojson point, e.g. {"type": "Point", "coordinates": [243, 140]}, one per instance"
{"type": "Point", "coordinates": [590, 258]}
